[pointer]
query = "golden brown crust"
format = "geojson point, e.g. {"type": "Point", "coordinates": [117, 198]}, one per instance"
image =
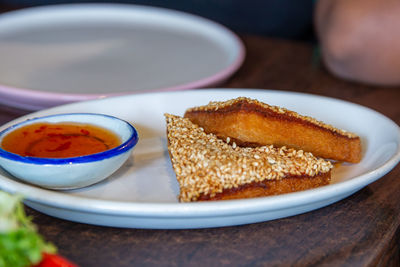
{"type": "Point", "coordinates": [206, 166]}
{"type": "Point", "coordinates": [271, 187]}
{"type": "Point", "coordinates": [252, 123]}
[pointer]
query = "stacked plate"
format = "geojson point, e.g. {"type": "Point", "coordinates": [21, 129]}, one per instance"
{"type": "Point", "coordinates": [64, 53]}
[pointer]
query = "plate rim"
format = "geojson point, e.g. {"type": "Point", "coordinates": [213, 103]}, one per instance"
{"type": "Point", "coordinates": [212, 208]}
{"type": "Point", "coordinates": [30, 99]}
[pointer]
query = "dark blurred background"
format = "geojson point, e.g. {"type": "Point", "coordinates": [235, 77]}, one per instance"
{"type": "Point", "coordinates": [290, 19]}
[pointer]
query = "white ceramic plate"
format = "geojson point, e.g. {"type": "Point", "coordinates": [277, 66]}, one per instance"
{"type": "Point", "coordinates": [143, 194]}
{"type": "Point", "coordinates": [63, 53]}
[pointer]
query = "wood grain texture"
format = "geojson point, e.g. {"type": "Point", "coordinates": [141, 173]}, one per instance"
{"type": "Point", "coordinates": [361, 230]}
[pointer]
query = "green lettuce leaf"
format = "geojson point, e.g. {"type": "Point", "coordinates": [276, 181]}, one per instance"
{"type": "Point", "coordinates": [20, 243]}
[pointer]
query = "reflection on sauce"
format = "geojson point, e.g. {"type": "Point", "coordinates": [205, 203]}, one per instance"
{"type": "Point", "coordinates": [59, 140]}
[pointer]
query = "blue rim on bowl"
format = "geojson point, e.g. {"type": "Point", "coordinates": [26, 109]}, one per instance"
{"type": "Point", "coordinates": [130, 142]}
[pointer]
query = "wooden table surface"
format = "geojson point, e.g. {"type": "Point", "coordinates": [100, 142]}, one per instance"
{"type": "Point", "coordinates": [361, 230]}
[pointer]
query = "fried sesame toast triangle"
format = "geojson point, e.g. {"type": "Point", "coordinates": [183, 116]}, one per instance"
{"type": "Point", "coordinates": [207, 168]}
{"type": "Point", "coordinates": [253, 123]}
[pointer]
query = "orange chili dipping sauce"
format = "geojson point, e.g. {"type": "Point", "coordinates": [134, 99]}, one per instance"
{"type": "Point", "coordinates": [59, 140]}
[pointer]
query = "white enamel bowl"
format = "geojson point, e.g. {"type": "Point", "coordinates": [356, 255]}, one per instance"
{"type": "Point", "coordinates": [75, 172]}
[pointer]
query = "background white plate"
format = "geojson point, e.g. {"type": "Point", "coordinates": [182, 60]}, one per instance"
{"type": "Point", "coordinates": [57, 54]}
{"type": "Point", "coordinates": [143, 193]}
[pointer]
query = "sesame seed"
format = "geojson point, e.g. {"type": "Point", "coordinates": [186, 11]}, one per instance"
{"type": "Point", "coordinates": [205, 164]}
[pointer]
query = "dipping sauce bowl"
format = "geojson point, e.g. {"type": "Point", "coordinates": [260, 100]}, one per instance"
{"type": "Point", "coordinates": [67, 172]}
